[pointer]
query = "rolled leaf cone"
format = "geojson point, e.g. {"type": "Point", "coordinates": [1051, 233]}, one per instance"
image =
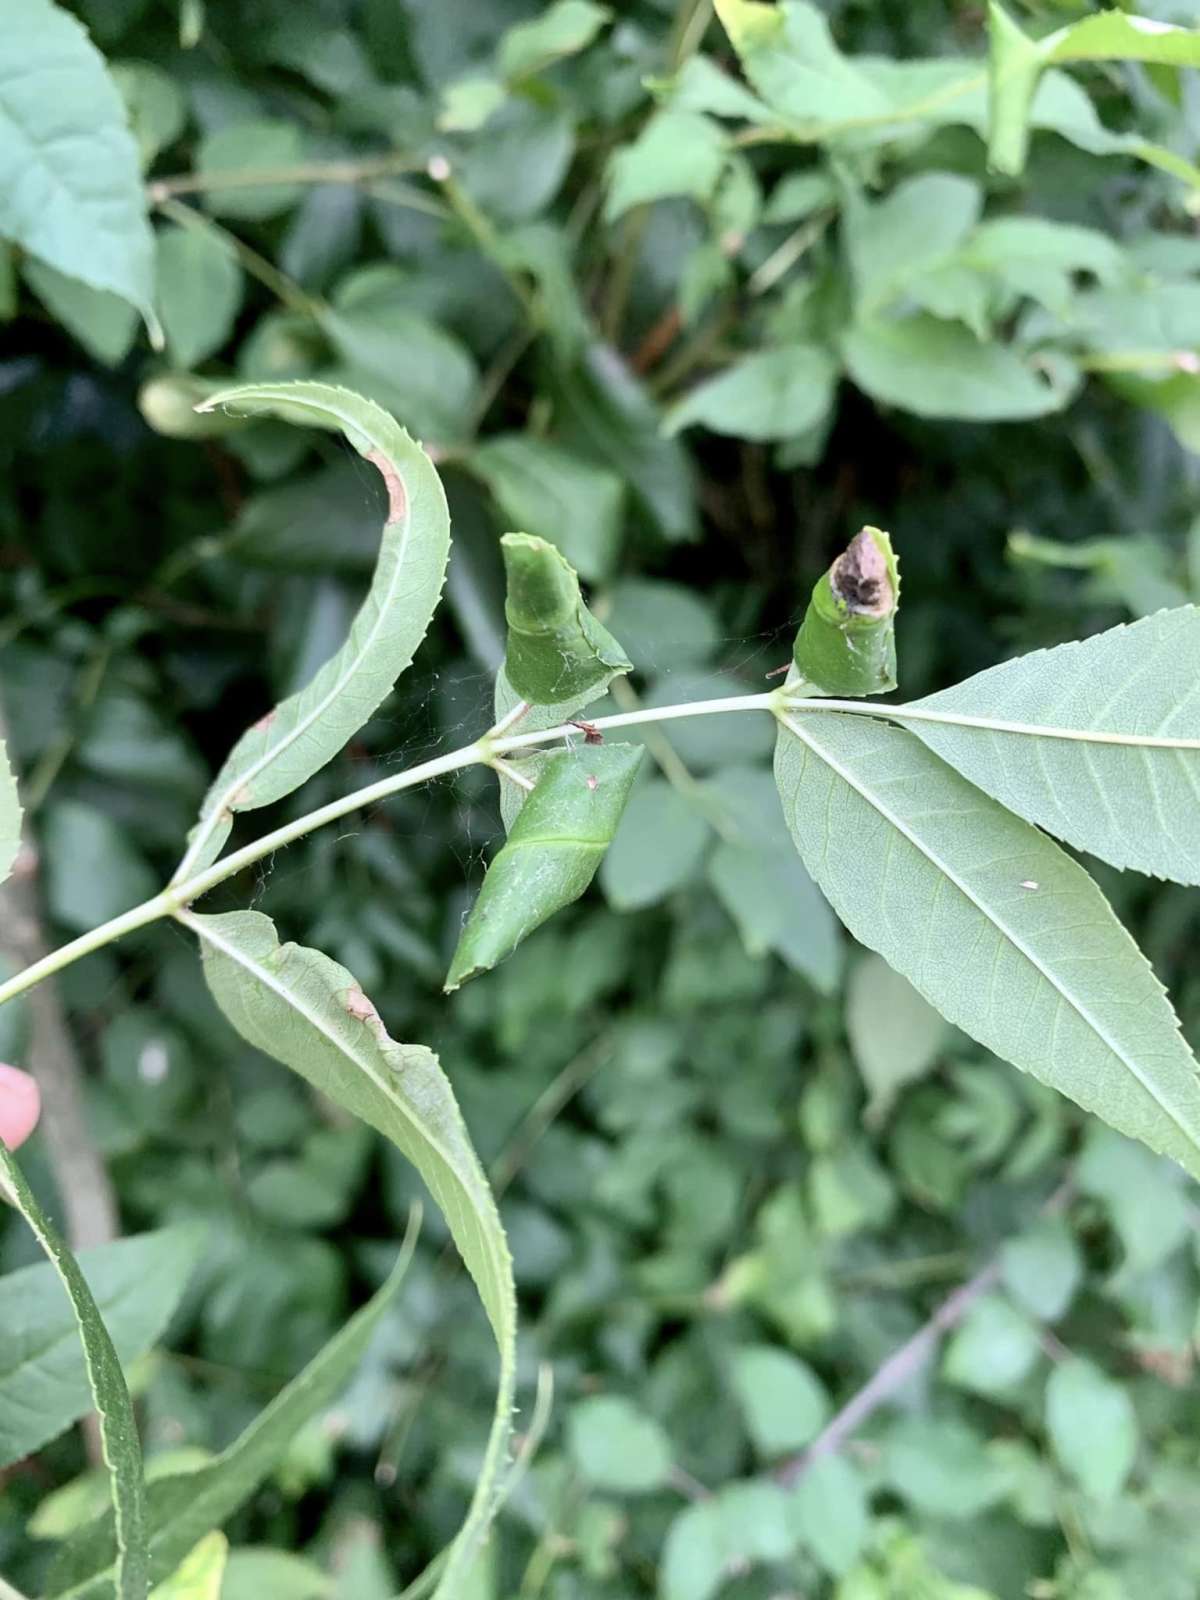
{"type": "Point", "coordinates": [557, 650]}
{"type": "Point", "coordinates": [847, 642]}
{"type": "Point", "coordinates": [554, 848]}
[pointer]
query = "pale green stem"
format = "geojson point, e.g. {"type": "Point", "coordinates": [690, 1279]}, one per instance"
{"type": "Point", "coordinates": [160, 189]}
{"type": "Point", "coordinates": [960, 719]}
{"type": "Point", "coordinates": [482, 751]}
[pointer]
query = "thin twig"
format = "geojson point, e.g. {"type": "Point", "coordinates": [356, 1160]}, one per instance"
{"type": "Point", "coordinates": [903, 1364]}
{"type": "Point", "coordinates": [362, 171]}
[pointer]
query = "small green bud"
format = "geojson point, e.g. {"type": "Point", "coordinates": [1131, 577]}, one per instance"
{"type": "Point", "coordinates": [557, 650]}
{"type": "Point", "coordinates": [847, 642]}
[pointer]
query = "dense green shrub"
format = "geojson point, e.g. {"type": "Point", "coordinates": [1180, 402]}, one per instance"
{"type": "Point", "coordinates": [691, 297]}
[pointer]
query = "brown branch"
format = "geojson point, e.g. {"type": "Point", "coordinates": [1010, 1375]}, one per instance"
{"type": "Point", "coordinates": [904, 1363]}
{"type": "Point", "coordinates": [85, 1192]}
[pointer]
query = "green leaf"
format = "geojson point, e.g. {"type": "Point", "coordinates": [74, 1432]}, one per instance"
{"type": "Point", "coordinates": [198, 291]}
{"type": "Point", "coordinates": [1097, 742]}
{"type": "Point", "coordinates": [676, 153]}
{"type": "Point", "coordinates": [831, 1513]}
{"type": "Point", "coordinates": [939, 369]}
{"type": "Point", "coordinates": [932, 873]}
{"type": "Point", "coordinates": [305, 1010]}
{"type": "Point", "coordinates": [1016, 63]}
{"type": "Point", "coordinates": [556, 495]}
{"type": "Point", "coordinates": [154, 104]}
{"type": "Point", "coordinates": [773, 394]}
{"type": "Point", "coordinates": [553, 850]}
{"type": "Point", "coordinates": [118, 1425]}
{"type": "Point", "coordinates": [238, 154]}
{"type": "Point", "coordinates": [307, 730]}
{"type": "Point", "coordinates": [104, 323]}
{"type": "Point", "coordinates": [993, 1349]}
{"type": "Point", "coordinates": [201, 1574]}
{"type": "Point", "coordinates": [617, 1447]}
{"type": "Point", "coordinates": [564, 29]}
{"type": "Point", "coordinates": [781, 1398]}
{"type": "Point", "coordinates": [185, 1506]}
{"type": "Point", "coordinates": [896, 1035]}
{"type": "Point", "coordinates": [70, 183]}
{"type": "Point", "coordinates": [847, 642]}
{"type": "Point", "coordinates": [413, 368]}
{"type": "Point", "coordinates": [253, 1573]}
{"type": "Point", "coordinates": [136, 1284]}
{"type": "Point", "coordinates": [790, 58]}
{"type": "Point", "coordinates": [10, 816]}
{"type": "Point", "coordinates": [609, 416]}
{"type": "Point", "coordinates": [895, 242]}
{"type": "Point", "coordinates": [1042, 1268]}
{"type": "Point", "coordinates": [941, 1467]}
{"type": "Point", "coordinates": [657, 849]}
{"type": "Point", "coordinates": [1092, 1426]}
{"type": "Point", "coordinates": [557, 651]}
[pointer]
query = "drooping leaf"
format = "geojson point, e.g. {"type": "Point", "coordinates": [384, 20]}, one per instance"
{"type": "Point", "coordinates": [940, 369]}
{"type": "Point", "coordinates": [10, 816]}
{"type": "Point", "coordinates": [305, 1010]}
{"type": "Point", "coordinates": [185, 1506]}
{"type": "Point", "coordinates": [556, 495]}
{"type": "Point", "coordinates": [136, 1284]}
{"type": "Point", "coordinates": [129, 1577]}
{"type": "Point", "coordinates": [557, 651]}
{"type": "Point", "coordinates": [305, 731]}
{"type": "Point", "coordinates": [831, 1511]}
{"type": "Point", "coordinates": [553, 849]}
{"type": "Point", "coordinates": [847, 642]}
{"type": "Point", "coordinates": [782, 1400]}
{"type": "Point", "coordinates": [1098, 741]}
{"type": "Point", "coordinates": [773, 394]}
{"type": "Point", "coordinates": [997, 927]}
{"type": "Point", "coordinates": [1017, 63]}
{"type": "Point", "coordinates": [201, 1574]}
{"type": "Point", "coordinates": [70, 181]}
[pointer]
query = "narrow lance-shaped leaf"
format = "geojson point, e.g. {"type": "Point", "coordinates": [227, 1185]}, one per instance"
{"type": "Point", "coordinates": [990, 920]}
{"type": "Point", "coordinates": [118, 1425]}
{"type": "Point", "coordinates": [187, 1505]}
{"type": "Point", "coordinates": [847, 641]}
{"type": "Point", "coordinates": [305, 1010]}
{"type": "Point", "coordinates": [557, 650]}
{"type": "Point", "coordinates": [1017, 63]}
{"type": "Point", "coordinates": [1098, 742]}
{"type": "Point", "coordinates": [554, 848]}
{"type": "Point", "coordinates": [305, 731]}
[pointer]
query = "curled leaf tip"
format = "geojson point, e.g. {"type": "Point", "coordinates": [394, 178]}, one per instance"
{"type": "Point", "coordinates": [557, 650]}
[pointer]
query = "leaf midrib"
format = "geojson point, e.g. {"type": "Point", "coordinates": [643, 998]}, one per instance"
{"type": "Point", "coordinates": [262, 975]}
{"type": "Point", "coordinates": [1014, 939]}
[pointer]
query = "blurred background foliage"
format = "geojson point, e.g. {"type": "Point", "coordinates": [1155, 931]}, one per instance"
{"type": "Point", "coordinates": [742, 1163]}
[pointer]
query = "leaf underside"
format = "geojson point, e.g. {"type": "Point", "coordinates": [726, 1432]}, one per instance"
{"type": "Point", "coordinates": [1134, 805]}
{"type": "Point", "coordinates": [991, 921]}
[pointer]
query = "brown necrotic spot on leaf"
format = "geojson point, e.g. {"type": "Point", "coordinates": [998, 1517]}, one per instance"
{"type": "Point", "coordinates": [397, 499]}
{"type": "Point", "coordinates": [860, 577]}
